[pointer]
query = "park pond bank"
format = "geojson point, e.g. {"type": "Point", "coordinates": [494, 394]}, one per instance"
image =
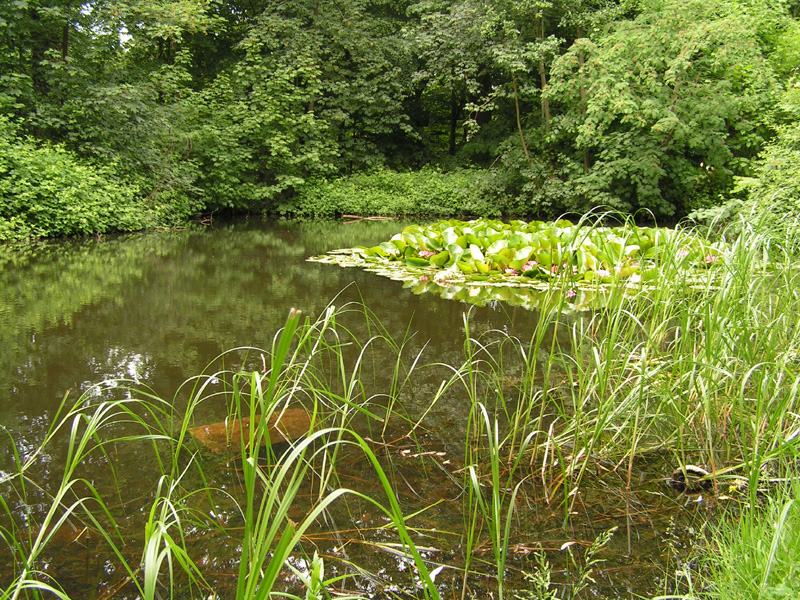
{"type": "Point", "coordinates": [512, 441]}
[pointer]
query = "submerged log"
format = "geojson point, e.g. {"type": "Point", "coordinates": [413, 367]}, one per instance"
{"type": "Point", "coordinates": [226, 436]}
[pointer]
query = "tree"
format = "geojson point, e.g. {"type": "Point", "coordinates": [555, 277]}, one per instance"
{"type": "Point", "coordinates": [674, 106]}
{"type": "Point", "coordinates": [453, 68]}
{"type": "Point", "coordinates": [35, 37]}
{"type": "Point", "coordinates": [47, 191]}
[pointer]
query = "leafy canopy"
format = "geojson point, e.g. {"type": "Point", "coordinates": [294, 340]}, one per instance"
{"type": "Point", "coordinates": [675, 104]}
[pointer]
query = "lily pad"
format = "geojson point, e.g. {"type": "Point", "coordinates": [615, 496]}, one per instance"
{"type": "Point", "coordinates": [532, 264]}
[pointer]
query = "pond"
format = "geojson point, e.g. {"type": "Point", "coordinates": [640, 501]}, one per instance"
{"type": "Point", "coordinates": [156, 309]}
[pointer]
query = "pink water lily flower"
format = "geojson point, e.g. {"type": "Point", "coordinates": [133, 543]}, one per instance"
{"type": "Point", "coordinates": [510, 271]}
{"type": "Point", "coordinates": [426, 253]}
{"type": "Point", "coordinates": [531, 264]}
{"type": "Point", "coordinates": [571, 294]}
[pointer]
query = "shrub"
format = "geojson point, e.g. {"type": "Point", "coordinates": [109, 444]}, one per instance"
{"type": "Point", "coordinates": [388, 193]}
{"type": "Point", "coordinates": [775, 194]}
{"type": "Point", "coordinates": [45, 191]}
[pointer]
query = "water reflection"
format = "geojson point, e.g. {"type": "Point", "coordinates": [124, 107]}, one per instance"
{"type": "Point", "coordinates": [156, 309]}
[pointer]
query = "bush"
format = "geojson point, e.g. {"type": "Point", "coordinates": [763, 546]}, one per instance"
{"type": "Point", "coordinates": [535, 188]}
{"type": "Point", "coordinates": [45, 191]}
{"type": "Point", "coordinates": [775, 194]}
{"type": "Point", "coordinates": [388, 193]}
{"type": "Point", "coordinates": [667, 106]}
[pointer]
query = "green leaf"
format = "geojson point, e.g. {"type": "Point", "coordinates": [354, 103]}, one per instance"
{"type": "Point", "coordinates": [439, 260]}
{"type": "Point", "coordinates": [476, 253]}
{"type": "Point", "coordinates": [415, 261]}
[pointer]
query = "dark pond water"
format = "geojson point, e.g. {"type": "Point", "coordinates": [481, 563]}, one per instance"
{"type": "Point", "coordinates": [157, 308]}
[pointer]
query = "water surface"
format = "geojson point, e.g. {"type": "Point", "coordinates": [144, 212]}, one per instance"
{"type": "Point", "coordinates": [158, 308]}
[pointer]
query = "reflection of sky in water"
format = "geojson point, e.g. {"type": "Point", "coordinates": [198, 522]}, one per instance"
{"type": "Point", "coordinates": [120, 365]}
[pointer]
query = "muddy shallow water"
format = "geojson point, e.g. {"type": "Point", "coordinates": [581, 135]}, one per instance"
{"type": "Point", "coordinates": [156, 309]}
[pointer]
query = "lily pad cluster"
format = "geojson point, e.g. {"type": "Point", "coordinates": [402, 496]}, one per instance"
{"type": "Point", "coordinates": [524, 263]}
{"type": "Point", "coordinates": [543, 250]}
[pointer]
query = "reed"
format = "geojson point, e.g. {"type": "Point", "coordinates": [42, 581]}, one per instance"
{"type": "Point", "coordinates": [308, 366]}
{"type": "Point", "coordinates": [699, 370]}
{"type": "Point", "coordinates": [90, 429]}
{"type": "Point", "coordinates": [701, 374]}
{"type": "Point", "coordinates": [754, 555]}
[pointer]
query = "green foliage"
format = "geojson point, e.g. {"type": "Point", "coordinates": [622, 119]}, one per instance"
{"type": "Point", "coordinates": [785, 55]}
{"type": "Point", "coordinates": [254, 139]}
{"type": "Point", "coordinates": [144, 122]}
{"type": "Point", "coordinates": [498, 508]}
{"type": "Point", "coordinates": [537, 265]}
{"type": "Point", "coordinates": [774, 197]}
{"type": "Point", "coordinates": [539, 584]}
{"type": "Point", "coordinates": [453, 69]}
{"type": "Point", "coordinates": [532, 186]}
{"type": "Point", "coordinates": [757, 555]}
{"type": "Point", "coordinates": [237, 106]}
{"type": "Point", "coordinates": [46, 191]}
{"type": "Point", "coordinates": [540, 250]}
{"type": "Point", "coordinates": [346, 102]}
{"type": "Point", "coordinates": [388, 193]}
{"type": "Point", "coordinates": [674, 107]}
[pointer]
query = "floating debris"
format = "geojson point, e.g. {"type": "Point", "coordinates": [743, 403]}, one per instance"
{"type": "Point", "coordinates": [690, 479]}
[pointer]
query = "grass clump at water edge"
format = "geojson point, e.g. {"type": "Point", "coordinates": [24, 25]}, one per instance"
{"type": "Point", "coordinates": [185, 502]}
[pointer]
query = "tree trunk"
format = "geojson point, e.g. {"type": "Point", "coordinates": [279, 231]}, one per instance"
{"type": "Point", "coordinates": [64, 41]}
{"type": "Point", "coordinates": [581, 64]}
{"type": "Point", "coordinates": [519, 120]}
{"type": "Point", "coordinates": [543, 78]}
{"type": "Point", "coordinates": [455, 110]}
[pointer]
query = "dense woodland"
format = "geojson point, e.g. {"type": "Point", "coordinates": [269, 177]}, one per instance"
{"type": "Point", "coordinates": [126, 114]}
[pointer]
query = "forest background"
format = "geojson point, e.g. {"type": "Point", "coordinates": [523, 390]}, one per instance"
{"type": "Point", "coordinates": [118, 115]}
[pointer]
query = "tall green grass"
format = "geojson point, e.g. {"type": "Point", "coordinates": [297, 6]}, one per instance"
{"type": "Point", "coordinates": [698, 370]}
{"type": "Point", "coordinates": [753, 553]}
{"type": "Point", "coordinates": [307, 366]}
{"type": "Point", "coordinates": [757, 555]}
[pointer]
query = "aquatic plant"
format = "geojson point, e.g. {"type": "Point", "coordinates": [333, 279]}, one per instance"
{"type": "Point", "coordinates": [706, 376]}
{"type": "Point", "coordinates": [496, 498]}
{"type": "Point", "coordinates": [483, 260]}
{"type": "Point", "coordinates": [257, 521]}
{"type": "Point", "coordinates": [676, 374]}
{"type": "Point", "coordinates": [756, 554]}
